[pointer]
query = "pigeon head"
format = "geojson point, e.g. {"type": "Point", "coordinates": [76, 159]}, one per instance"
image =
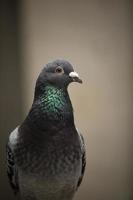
{"type": "Point", "coordinates": [51, 99]}
{"type": "Point", "coordinates": [58, 73]}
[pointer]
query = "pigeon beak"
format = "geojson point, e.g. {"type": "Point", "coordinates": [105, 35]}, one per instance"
{"type": "Point", "coordinates": [75, 77]}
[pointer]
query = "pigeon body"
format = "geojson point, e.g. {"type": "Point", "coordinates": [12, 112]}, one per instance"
{"type": "Point", "coordinates": [46, 154]}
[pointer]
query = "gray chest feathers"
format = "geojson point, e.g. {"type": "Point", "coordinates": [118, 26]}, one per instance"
{"type": "Point", "coordinates": [51, 160]}
{"type": "Point", "coordinates": [52, 173]}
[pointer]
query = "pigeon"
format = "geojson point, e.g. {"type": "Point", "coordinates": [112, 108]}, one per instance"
{"type": "Point", "coordinates": [46, 153]}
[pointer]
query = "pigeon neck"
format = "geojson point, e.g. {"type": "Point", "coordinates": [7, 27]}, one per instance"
{"type": "Point", "coordinates": [51, 107]}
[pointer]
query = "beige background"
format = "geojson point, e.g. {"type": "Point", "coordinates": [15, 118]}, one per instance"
{"type": "Point", "coordinates": [96, 37]}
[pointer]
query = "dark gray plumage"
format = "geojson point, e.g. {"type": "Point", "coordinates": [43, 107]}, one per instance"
{"type": "Point", "coordinates": [46, 154]}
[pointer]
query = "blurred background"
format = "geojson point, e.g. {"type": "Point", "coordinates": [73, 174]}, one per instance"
{"type": "Point", "coordinates": [96, 37]}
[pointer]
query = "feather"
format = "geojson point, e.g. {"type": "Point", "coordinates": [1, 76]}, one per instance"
{"type": "Point", "coordinates": [11, 167]}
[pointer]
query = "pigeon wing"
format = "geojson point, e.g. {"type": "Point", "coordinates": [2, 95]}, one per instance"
{"type": "Point", "coordinates": [83, 160]}
{"type": "Point", "coordinates": [11, 167]}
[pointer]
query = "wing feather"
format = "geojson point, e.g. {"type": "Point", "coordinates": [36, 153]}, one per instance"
{"type": "Point", "coordinates": [83, 160]}
{"type": "Point", "coordinates": [11, 167]}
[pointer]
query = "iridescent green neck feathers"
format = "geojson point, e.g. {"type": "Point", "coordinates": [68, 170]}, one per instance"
{"type": "Point", "coordinates": [53, 99]}
{"type": "Point", "coordinates": [53, 104]}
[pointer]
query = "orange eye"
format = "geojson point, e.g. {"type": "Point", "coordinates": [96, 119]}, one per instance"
{"type": "Point", "coordinates": [59, 70]}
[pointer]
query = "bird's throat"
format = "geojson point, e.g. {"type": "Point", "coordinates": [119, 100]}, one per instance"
{"type": "Point", "coordinates": [53, 99]}
{"type": "Point", "coordinates": [51, 106]}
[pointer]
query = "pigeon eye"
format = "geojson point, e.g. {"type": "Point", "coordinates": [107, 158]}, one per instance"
{"type": "Point", "coordinates": [59, 70]}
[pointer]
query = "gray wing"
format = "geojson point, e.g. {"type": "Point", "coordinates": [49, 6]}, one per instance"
{"type": "Point", "coordinates": [11, 167]}
{"type": "Point", "coordinates": [83, 160]}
